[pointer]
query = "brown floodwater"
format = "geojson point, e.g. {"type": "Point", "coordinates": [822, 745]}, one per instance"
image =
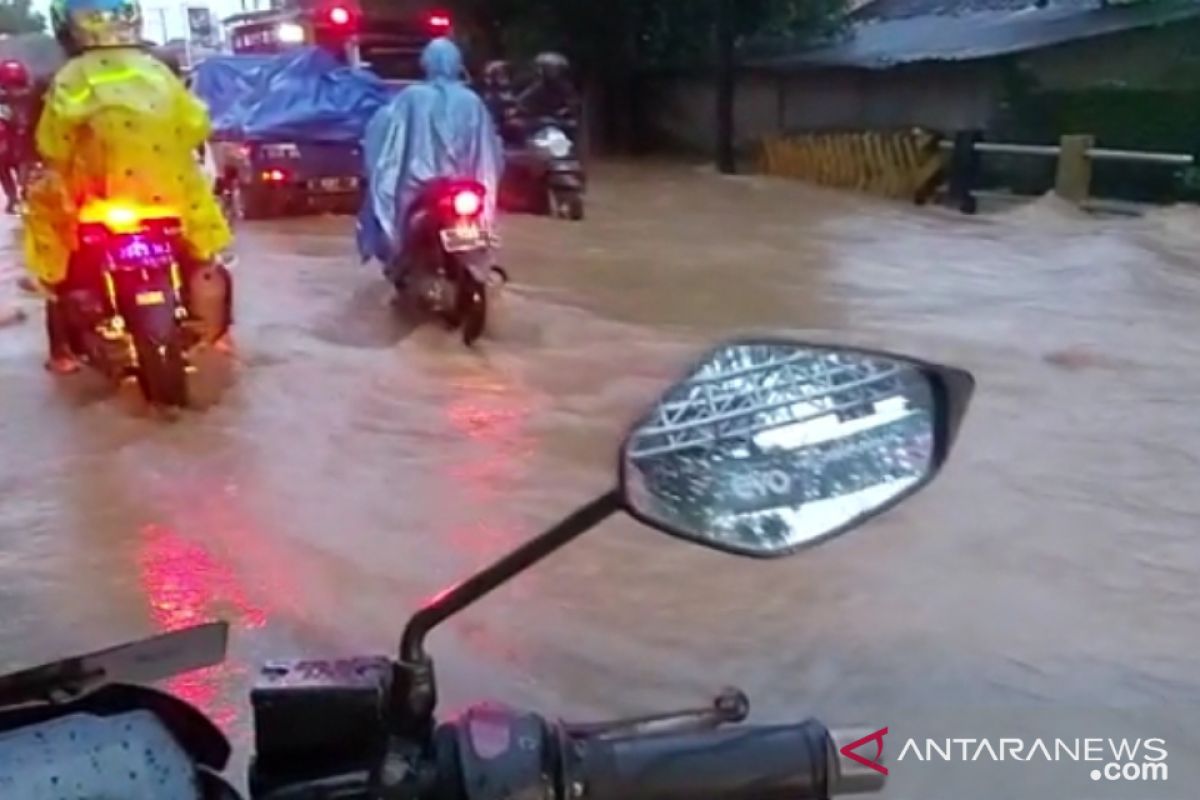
{"type": "Point", "coordinates": [356, 464]}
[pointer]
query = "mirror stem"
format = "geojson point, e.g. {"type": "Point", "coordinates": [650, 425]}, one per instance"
{"type": "Point", "coordinates": [455, 599]}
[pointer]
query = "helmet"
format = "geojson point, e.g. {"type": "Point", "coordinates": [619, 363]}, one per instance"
{"type": "Point", "coordinates": [552, 66]}
{"type": "Point", "coordinates": [497, 75]}
{"type": "Point", "coordinates": [97, 23]}
{"type": "Point", "coordinates": [14, 77]}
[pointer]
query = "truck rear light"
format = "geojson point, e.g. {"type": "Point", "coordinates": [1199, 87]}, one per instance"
{"type": "Point", "coordinates": [340, 16]}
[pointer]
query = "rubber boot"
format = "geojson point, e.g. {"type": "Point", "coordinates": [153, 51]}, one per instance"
{"type": "Point", "coordinates": [61, 361]}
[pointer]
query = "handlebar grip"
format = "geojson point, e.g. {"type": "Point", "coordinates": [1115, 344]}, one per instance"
{"type": "Point", "coordinates": [779, 762]}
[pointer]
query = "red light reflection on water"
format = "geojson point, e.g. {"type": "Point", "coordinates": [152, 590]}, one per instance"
{"type": "Point", "coordinates": [494, 423]}
{"type": "Point", "coordinates": [186, 585]}
{"type": "Point", "coordinates": [497, 451]}
{"type": "Point", "coordinates": [207, 689]}
{"type": "Point", "coordinates": [494, 426]}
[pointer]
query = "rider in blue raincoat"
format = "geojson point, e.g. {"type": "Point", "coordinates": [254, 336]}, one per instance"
{"type": "Point", "coordinates": [439, 128]}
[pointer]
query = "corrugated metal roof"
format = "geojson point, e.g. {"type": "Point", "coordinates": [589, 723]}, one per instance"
{"type": "Point", "coordinates": [904, 9]}
{"type": "Point", "coordinates": [991, 31]}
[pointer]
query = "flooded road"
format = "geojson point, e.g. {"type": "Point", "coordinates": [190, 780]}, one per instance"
{"type": "Point", "coordinates": [356, 466]}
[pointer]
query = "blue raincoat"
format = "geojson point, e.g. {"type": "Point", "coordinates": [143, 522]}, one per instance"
{"type": "Point", "coordinates": [436, 129]}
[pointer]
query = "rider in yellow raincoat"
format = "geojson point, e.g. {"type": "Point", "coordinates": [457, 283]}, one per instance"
{"type": "Point", "coordinates": [117, 125]}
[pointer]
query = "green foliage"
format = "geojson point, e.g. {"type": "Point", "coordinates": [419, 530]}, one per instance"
{"type": "Point", "coordinates": [18, 16]}
{"type": "Point", "coordinates": [1159, 120]}
{"type": "Point", "coordinates": [603, 36]}
{"type": "Point", "coordinates": [613, 43]}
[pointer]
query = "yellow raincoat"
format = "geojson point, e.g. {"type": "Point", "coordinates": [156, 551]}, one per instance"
{"type": "Point", "coordinates": [118, 126]}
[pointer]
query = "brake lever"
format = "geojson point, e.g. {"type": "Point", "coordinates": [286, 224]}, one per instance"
{"type": "Point", "coordinates": [729, 707]}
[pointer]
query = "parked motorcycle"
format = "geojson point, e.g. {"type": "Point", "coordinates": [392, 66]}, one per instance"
{"type": "Point", "coordinates": [447, 264]}
{"type": "Point", "coordinates": [124, 308]}
{"type": "Point", "coordinates": [747, 454]}
{"type": "Point", "coordinates": [546, 176]}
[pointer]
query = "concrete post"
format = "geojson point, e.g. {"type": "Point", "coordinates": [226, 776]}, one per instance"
{"type": "Point", "coordinates": [965, 167]}
{"type": "Point", "coordinates": [1074, 179]}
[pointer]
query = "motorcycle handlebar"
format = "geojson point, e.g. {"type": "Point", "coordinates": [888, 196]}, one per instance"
{"type": "Point", "coordinates": [779, 762]}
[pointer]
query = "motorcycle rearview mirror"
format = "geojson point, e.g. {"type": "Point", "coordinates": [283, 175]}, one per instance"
{"type": "Point", "coordinates": [771, 446]}
{"type": "Point", "coordinates": [765, 447]}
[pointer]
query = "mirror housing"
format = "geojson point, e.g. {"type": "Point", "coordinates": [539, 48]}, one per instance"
{"type": "Point", "coordinates": [768, 446]}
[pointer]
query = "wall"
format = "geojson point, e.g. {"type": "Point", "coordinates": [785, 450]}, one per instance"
{"type": "Point", "coordinates": [944, 96]}
{"type": "Point", "coordinates": [682, 110]}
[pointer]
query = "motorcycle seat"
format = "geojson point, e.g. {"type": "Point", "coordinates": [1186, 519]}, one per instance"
{"type": "Point", "coordinates": [131, 756]}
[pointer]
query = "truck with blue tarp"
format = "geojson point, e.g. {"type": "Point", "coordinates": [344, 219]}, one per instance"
{"type": "Point", "coordinates": [292, 102]}
{"type": "Point", "coordinates": [288, 127]}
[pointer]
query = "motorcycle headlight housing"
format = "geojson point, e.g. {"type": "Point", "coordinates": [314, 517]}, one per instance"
{"type": "Point", "coordinates": [554, 142]}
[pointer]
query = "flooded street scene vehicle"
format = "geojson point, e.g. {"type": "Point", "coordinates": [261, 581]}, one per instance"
{"type": "Point", "coordinates": [862, 401]}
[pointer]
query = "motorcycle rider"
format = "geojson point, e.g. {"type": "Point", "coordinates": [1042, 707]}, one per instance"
{"type": "Point", "coordinates": [552, 95]}
{"type": "Point", "coordinates": [117, 124]}
{"type": "Point", "coordinates": [204, 155]}
{"type": "Point", "coordinates": [16, 112]}
{"type": "Point", "coordinates": [9, 173]}
{"type": "Point", "coordinates": [438, 128]}
{"type": "Point", "coordinates": [502, 101]}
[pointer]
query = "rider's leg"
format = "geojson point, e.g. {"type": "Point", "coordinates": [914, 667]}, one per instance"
{"type": "Point", "coordinates": [61, 360]}
{"type": "Point", "coordinates": [208, 295]}
{"type": "Point", "coordinates": [8, 181]}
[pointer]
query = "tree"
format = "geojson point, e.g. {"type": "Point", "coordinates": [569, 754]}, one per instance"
{"type": "Point", "coordinates": [612, 42]}
{"type": "Point", "coordinates": [18, 16]}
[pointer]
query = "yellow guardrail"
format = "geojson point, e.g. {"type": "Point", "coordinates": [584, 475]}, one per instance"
{"type": "Point", "coordinates": [903, 164]}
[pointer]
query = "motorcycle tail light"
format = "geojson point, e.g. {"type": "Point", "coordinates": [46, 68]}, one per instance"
{"type": "Point", "coordinates": [121, 217]}
{"type": "Point", "coordinates": [467, 203]}
{"type": "Point", "coordinates": [100, 217]}
{"type": "Point", "coordinates": [114, 217]}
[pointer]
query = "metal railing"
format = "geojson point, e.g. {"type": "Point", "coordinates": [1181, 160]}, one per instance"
{"type": "Point", "coordinates": [1074, 154]}
{"type": "Point", "coordinates": [1094, 153]}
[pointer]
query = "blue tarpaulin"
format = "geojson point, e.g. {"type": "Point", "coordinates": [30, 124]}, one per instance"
{"type": "Point", "coordinates": [221, 81]}
{"type": "Point", "coordinates": [437, 129]}
{"type": "Point", "coordinates": [301, 95]}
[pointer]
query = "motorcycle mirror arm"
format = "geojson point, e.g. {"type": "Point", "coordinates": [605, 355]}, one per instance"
{"type": "Point", "coordinates": [458, 597]}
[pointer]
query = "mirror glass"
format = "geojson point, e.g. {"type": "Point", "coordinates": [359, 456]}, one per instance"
{"type": "Point", "coordinates": [770, 446]}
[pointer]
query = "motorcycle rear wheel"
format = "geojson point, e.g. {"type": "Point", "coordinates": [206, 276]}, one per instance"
{"type": "Point", "coordinates": [472, 303]}
{"type": "Point", "coordinates": [574, 208]}
{"type": "Point", "coordinates": [162, 371]}
{"type": "Point", "coordinates": [565, 204]}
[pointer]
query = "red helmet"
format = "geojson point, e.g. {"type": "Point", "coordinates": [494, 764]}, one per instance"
{"type": "Point", "coordinates": [13, 75]}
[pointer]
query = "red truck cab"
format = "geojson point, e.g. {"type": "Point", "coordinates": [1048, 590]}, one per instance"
{"type": "Point", "coordinates": [387, 38]}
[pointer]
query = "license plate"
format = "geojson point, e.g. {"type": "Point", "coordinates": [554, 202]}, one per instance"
{"type": "Point", "coordinates": [334, 184]}
{"type": "Point", "coordinates": [141, 251]}
{"type": "Point", "coordinates": [463, 237]}
{"type": "Point", "coordinates": [151, 298]}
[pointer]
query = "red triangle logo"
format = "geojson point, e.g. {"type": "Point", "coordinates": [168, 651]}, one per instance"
{"type": "Point", "coordinates": [874, 762]}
